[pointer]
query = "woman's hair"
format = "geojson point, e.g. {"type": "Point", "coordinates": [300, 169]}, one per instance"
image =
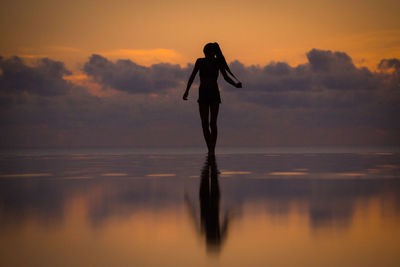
{"type": "Point", "coordinates": [213, 49]}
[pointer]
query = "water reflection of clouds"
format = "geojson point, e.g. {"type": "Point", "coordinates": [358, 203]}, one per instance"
{"type": "Point", "coordinates": [76, 177]}
{"type": "Point", "coordinates": [287, 173]}
{"type": "Point", "coordinates": [114, 174]}
{"type": "Point", "coordinates": [22, 175]}
{"type": "Point", "coordinates": [327, 202]}
{"type": "Point", "coordinates": [327, 187]}
{"type": "Point", "coordinates": [234, 172]}
{"type": "Point", "coordinates": [161, 175]}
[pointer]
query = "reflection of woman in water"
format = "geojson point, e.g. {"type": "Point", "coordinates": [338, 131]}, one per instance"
{"type": "Point", "coordinates": [214, 232]}
{"type": "Point", "coordinates": [209, 98]}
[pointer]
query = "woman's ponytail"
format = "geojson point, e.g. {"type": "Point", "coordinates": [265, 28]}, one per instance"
{"type": "Point", "coordinates": [221, 59]}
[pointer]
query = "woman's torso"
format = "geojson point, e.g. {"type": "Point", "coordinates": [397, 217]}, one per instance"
{"type": "Point", "coordinates": [208, 90]}
{"type": "Point", "coordinates": [209, 71]}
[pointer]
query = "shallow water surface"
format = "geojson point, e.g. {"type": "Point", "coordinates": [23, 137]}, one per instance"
{"type": "Point", "coordinates": [246, 209]}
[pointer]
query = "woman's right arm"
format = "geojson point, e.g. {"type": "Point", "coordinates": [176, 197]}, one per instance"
{"type": "Point", "coordinates": [192, 76]}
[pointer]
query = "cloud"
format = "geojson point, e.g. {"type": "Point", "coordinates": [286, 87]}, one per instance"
{"type": "Point", "coordinates": [328, 90]}
{"type": "Point", "coordinates": [335, 70]}
{"type": "Point", "coordinates": [145, 57]}
{"type": "Point", "coordinates": [45, 78]}
{"type": "Point", "coordinates": [326, 60]}
{"type": "Point", "coordinates": [389, 63]}
{"type": "Point", "coordinates": [327, 100]}
{"type": "Point", "coordinates": [325, 70]}
{"type": "Point", "coordinates": [132, 78]}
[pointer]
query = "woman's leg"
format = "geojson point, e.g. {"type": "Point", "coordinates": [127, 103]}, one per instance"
{"type": "Point", "coordinates": [204, 113]}
{"type": "Point", "coordinates": [214, 108]}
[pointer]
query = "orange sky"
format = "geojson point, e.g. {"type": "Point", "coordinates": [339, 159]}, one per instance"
{"type": "Point", "coordinates": [254, 32]}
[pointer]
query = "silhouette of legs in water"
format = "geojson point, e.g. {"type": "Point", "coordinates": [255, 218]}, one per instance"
{"type": "Point", "coordinates": [209, 206]}
{"type": "Point", "coordinates": [210, 225]}
{"type": "Point", "coordinates": [209, 115]}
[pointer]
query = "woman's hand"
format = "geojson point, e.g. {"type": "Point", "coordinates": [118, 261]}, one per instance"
{"type": "Point", "coordinates": [185, 95]}
{"type": "Point", "coordinates": [239, 85]}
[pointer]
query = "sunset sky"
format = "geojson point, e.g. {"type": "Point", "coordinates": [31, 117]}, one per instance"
{"type": "Point", "coordinates": [314, 72]}
{"type": "Point", "coordinates": [254, 32]}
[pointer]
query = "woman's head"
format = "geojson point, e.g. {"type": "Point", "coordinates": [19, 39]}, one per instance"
{"type": "Point", "coordinates": [210, 50]}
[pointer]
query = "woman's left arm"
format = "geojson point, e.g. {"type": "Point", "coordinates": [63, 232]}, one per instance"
{"type": "Point", "coordinates": [229, 80]}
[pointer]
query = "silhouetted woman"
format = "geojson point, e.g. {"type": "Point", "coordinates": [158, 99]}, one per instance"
{"type": "Point", "coordinates": [209, 97]}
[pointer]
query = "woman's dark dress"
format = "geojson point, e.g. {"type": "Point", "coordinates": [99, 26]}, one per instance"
{"type": "Point", "coordinates": [208, 90]}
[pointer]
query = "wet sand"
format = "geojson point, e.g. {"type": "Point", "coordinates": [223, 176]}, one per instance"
{"type": "Point", "coordinates": [178, 209]}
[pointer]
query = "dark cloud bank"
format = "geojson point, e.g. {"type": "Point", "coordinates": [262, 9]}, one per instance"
{"type": "Point", "coordinates": [326, 101]}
